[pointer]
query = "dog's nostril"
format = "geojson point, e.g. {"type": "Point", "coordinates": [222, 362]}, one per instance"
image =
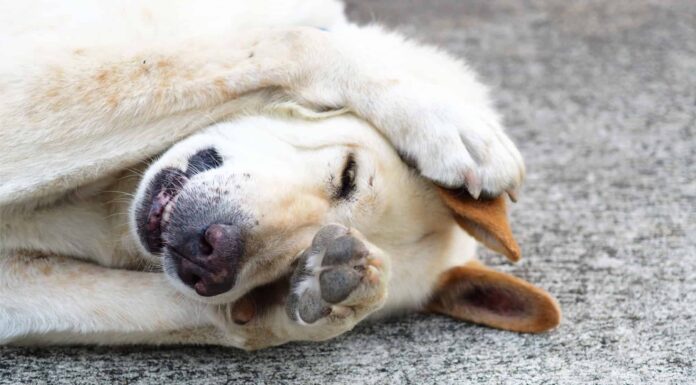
{"type": "Point", "coordinates": [204, 247]}
{"type": "Point", "coordinates": [187, 272]}
{"type": "Point", "coordinates": [208, 260]}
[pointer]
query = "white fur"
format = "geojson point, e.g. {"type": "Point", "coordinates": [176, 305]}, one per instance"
{"type": "Point", "coordinates": [90, 90]}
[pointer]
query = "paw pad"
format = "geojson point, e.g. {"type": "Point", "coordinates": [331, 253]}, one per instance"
{"type": "Point", "coordinates": [337, 268]}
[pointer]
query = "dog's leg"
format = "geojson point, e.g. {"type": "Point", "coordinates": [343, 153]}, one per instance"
{"type": "Point", "coordinates": [338, 281]}
{"type": "Point", "coordinates": [79, 229]}
{"type": "Point", "coordinates": [84, 112]}
{"type": "Point", "coordinates": [430, 105]}
{"type": "Point", "coordinates": [72, 115]}
{"type": "Point", "coordinates": [62, 300]}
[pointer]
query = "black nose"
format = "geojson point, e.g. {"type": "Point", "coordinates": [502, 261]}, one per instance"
{"type": "Point", "coordinates": [207, 260]}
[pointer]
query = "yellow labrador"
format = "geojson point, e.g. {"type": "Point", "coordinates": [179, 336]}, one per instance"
{"type": "Point", "coordinates": [292, 193]}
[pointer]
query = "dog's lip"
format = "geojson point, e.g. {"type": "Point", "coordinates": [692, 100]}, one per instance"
{"type": "Point", "coordinates": [158, 218]}
{"type": "Point", "coordinates": [161, 196]}
{"type": "Point", "coordinates": [161, 202]}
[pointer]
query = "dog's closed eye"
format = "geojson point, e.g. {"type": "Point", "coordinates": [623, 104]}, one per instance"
{"type": "Point", "coordinates": [347, 182]}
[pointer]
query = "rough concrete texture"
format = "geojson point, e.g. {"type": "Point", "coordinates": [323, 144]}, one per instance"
{"type": "Point", "coordinates": [601, 98]}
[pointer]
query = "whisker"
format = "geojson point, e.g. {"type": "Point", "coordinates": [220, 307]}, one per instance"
{"type": "Point", "coordinates": [132, 195]}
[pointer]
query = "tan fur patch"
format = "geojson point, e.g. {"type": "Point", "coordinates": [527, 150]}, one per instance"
{"type": "Point", "coordinates": [482, 295]}
{"type": "Point", "coordinates": [485, 220]}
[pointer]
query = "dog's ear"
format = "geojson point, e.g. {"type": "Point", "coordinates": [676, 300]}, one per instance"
{"type": "Point", "coordinates": [482, 295]}
{"type": "Point", "coordinates": [485, 219]}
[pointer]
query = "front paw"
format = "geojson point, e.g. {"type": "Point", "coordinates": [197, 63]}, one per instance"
{"type": "Point", "coordinates": [338, 281]}
{"type": "Point", "coordinates": [460, 146]}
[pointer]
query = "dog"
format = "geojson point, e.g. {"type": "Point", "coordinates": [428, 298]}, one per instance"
{"type": "Point", "coordinates": [244, 174]}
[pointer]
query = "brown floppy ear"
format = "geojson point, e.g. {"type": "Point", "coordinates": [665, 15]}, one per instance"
{"type": "Point", "coordinates": [485, 220]}
{"type": "Point", "coordinates": [482, 295]}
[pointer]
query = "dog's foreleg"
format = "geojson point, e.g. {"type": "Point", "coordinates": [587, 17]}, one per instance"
{"type": "Point", "coordinates": [83, 112]}
{"type": "Point", "coordinates": [71, 115]}
{"type": "Point", "coordinates": [80, 229]}
{"type": "Point", "coordinates": [56, 300]}
{"type": "Point", "coordinates": [430, 105]}
{"type": "Point", "coordinates": [61, 300]}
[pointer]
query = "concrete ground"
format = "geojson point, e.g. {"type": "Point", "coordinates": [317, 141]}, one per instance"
{"type": "Point", "coordinates": [601, 98]}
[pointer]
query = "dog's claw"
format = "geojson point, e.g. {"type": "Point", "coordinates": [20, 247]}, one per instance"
{"type": "Point", "coordinates": [473, 183]}
{"type": "Point", "coordinates": [512, 193]}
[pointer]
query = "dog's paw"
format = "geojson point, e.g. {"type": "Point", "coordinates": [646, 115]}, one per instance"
{"type": "Point", "coordinates": [460, 145]}
{"type": "Point", "coordinates": [338, 281]}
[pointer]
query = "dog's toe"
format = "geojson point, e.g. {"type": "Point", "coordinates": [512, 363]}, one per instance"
{"type": "Point", "coordinates": [336, 284]}
{"type": "Point", "coordinates": [344, 250]}
{"type": "Point", "coordinates": [311, 307]}
{"type": "Point", "coordinates": [335, 275]}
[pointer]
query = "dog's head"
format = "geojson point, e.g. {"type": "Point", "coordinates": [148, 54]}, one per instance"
{"type": "Point", "coordinates": [231, 208]}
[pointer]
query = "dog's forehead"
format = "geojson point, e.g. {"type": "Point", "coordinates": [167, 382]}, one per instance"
{"type": "Point", "coordinates": [270, 134]}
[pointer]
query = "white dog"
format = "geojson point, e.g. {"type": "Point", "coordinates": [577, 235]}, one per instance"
{"type": "Point", "coordinates": [280, 206]}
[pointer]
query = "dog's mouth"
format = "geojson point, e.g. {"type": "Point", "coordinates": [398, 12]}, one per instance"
{"type": "Point", "coordinates": [165, 189]}
{"type": "Point", "coordinates": [158, 205]}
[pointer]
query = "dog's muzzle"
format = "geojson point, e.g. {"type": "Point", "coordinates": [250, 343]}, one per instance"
{"type": "Point", "coordinates": [199, 232]}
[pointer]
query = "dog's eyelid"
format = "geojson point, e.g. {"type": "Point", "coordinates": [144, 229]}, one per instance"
{"type": "Point", "coordinates": [347, 184]}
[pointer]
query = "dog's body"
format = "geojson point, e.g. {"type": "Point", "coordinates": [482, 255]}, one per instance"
{"type": "Point", "coordinates": [230, 213]}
